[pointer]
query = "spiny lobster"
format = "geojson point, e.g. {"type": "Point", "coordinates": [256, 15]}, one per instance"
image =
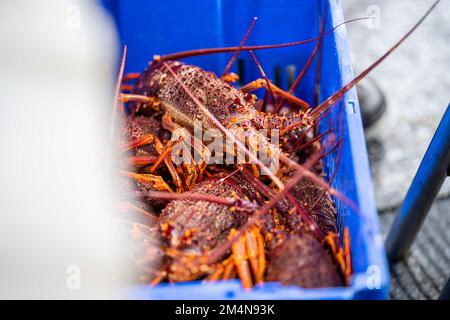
{"type": "Point", "coordinates": [187, 93]}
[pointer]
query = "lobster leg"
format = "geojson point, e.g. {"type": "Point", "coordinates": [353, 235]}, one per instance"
{"type": "Point", "coordinates": [251, 245]}
{"type": "Point", "coordinates": [193, 171]}
{"type": "Point", "coordinates": [261, 83]}
{"type": "Point", "coordinates": [348, 256]}
{"type": "Point", "coordinates": [256, 254]}
{"type": "Point", "coordinates": [159, 277]}
{"type": "Point", "coordinates": [155, 181]}
{"type": "Point", "coordinates": [137, 98]}
{"type": "Point", "coordinates": [141, 161]}
{"type": "Point", "coordinates": [229, 267]}
{"type": "Point", "coordinates": [149, 218]}
{"type": "Point", "coordinates": [145, 140]}
{"type": "Point", "coordinates": [131, 76]}
{"type": "Point", "coordinates": [216, 274]}
{"type": "Point", "coordinates": [230, 77]}
{"type": "Point", "coordinates": [126, 87]}
{"type": "Point", "coordinates": [144, 160]}
{"type": "Point", "coordinates": [223, 270]}
{"type": "Point", "coordinates": [140, 99]}
{"type": "Point", "coordinates": [239, 255]}
{"type": "Point", "coordinates": [341, 255]}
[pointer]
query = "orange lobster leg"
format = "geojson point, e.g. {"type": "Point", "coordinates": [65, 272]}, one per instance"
{"type": "Point", "coordinates": [230, 77]}
{"type": "Point", "coordinates": [251, 244]}
{"type": "Point", "coordinates": [126, 87]}
{"type": "Point", "coordinates": [229, 266]}
{"type": "Point", "coordinates": [193, 170]}
{"type": "Point", "coordinates": [216, 274]}
{"type": "Point", "coordinates": [261, 83]}
{"type": "Point", "coordinates": [144, 160]}
{"type": "Point", "coordinates": [141, 161]}
{"type": "Point", "coordinates": [131, 76]}
{"type": "Point", "coordinates": [168, 148]}
{"type": "Point", "coordinates": [348, 256]}
{"type": "Point", "coordinates": [147, 139]}
{"type": "Point", "coordinates": [156, 181]}
{"type": "Point", "coordinates": [341, 255]}
{"type": "Point", "coordinates": [160, 277]}
{"type": "Point", "coordinates": [256, 253]}
{"type": "Point", "coordinates": [137, 98]}
{"type": "Point", "coordinates": [261, 258]}
{"type": "Point", "coordinates": [140, 99]}
{"type": "Point", "coordinates": [240, 260]}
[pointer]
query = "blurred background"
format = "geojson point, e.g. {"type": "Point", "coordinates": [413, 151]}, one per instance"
{"type": "Point", "coordinates": [416, 84]}
{"type": "Point", "coordinates": [58, 64]}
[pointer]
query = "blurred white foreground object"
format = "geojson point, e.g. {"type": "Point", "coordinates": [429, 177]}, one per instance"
{"type": "Point", "coordinates": [57, 237]}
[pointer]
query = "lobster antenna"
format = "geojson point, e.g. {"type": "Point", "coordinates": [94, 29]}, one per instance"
{"type": "Point", "coordinates": [336, 164]}
{"type": "Point", "coordinates": [306, 66]}
{"type": "Point", "coordinates": [311, 57]}
{"type": "Point", "coordinates": [300, 146]}
{"type": "Point", "coordinates": [319, 63]}
{"type": "Point", "coordinates": [230, 202]}
{"type": "Point", "coordinates": [235, 54]}
{"type": "Point", "coordinates": [117, 89]}
{"type": "Point", "coordinates": [261, 70]}
{"type": "Point", "coordinates": [299, 175]}
{"type": "Point", "coordinates": [201, 52]}
{"type": "Point", "coordinates": [142, 213]}
{"type": "Point", "coordinates": [338, 95]}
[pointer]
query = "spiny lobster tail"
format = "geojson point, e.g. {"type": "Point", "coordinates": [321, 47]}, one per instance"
{"type": "Point", "coordinates": [201, 52]}
{"type": "Point", "coordinates": [338, 95]}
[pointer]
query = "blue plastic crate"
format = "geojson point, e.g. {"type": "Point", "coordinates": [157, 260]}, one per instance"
{"type": "Point", "coordinates": [161, 27]}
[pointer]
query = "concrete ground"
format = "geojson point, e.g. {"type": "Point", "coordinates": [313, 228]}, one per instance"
{"type": "Point", "coordinates": [416, 83]}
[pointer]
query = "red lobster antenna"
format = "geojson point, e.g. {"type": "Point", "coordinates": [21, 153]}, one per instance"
{"type": "Point", "coordinates": [201, 52]}
{"type": "Point", "coordinates": [338, 95]}
{"type": "Point", "coordinates": [235, 54]}
{"type": "Point", "coordinates": [302, 73]}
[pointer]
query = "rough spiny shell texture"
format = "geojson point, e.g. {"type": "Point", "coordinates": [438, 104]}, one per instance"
{"type": "Point", "coordinates": [198, 227]}
{"type": "Point", "coordinates": [136, 127]}
{"type": "Point", "coordinates": [208, 222]}
{"type": "Point", "coordinates": [324, 214]}
{"type": "Point", "coordinates": [301, 260]}
{"type": "Point", "coordinates": [216, 95]}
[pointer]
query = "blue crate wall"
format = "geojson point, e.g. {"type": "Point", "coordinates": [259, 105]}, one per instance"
{"type": "Point", "coordinates": [353, 173]}
{"type": "Point", "coordinates": [160, 27]}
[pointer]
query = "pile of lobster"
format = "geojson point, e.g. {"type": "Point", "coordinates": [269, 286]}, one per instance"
{"type": "Point", "coordinates": [203, 220]}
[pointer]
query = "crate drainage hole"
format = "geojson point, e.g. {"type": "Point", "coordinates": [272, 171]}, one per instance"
{"type": "Point", "coordinates": [277, 77]}
{"type": "Point", "coordinates": [291, 70]}
{"type": "Point", "coordinates": [241, 72]}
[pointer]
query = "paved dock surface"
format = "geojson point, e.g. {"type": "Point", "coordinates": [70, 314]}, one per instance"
{"type": "Point", "coordinates": [424, 272]}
